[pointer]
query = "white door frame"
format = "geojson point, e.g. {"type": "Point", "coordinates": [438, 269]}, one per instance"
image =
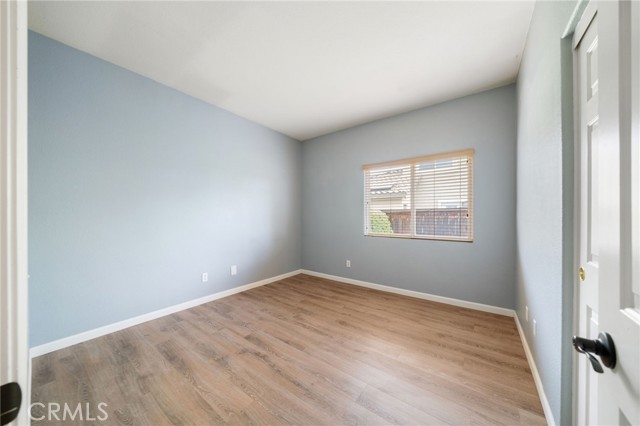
{"type": "Point", "coordinates": [14, 340]}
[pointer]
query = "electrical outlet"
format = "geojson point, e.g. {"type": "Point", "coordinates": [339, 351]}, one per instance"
{"type": "Point", "coordinates": [234, 269]}
{"type": "Point", "coordinates": [205, 277]}
{"type": "Point", "coordinates": [534, 328]}
{"type": "Point", "coordinates": [348, 264]}
{"type": "Point", "coordinates": [526, 313]}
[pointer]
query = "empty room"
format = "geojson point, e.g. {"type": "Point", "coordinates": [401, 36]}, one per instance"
{"type": "Point", "coordinates": [320, 212]}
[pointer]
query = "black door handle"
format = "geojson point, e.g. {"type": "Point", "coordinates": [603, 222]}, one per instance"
{"type": "Point", "coordinates": [10, 399]}
{"type": "Point", "coordinates": [602, 346]}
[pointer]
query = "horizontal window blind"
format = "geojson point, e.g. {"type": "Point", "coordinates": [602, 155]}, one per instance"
{"type": "Point", "coordinates": [422, 197]}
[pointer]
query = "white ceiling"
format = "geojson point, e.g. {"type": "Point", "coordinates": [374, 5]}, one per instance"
{"type": "Point", "coordinates": [302, 68]}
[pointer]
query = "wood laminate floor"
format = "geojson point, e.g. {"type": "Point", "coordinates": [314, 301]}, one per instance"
{"type": "Point", "coordinates": [304, 351]}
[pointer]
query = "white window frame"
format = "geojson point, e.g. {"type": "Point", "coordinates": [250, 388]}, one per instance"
{"type": "Point", "coordinates": [411, 163]}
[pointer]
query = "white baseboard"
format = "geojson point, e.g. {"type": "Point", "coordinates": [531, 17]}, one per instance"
{"type": "Point", "coordinates": [536, 376]}
{"type": "Point", "coordinates": [111, 328]}
{"type": "Point", "coordinates": [411, 293]}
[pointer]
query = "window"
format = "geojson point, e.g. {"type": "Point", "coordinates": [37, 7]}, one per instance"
{"type": "Point", "coordinates": [424, 197]}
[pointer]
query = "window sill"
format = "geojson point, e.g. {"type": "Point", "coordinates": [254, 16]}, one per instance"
{"type": "Point", "coordinates": [416, 237]}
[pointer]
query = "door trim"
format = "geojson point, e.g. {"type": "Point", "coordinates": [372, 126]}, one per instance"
{"type": "Point", "coordinates": [583, 23]}
{"type": "Point", "coordinates": [14, 339]}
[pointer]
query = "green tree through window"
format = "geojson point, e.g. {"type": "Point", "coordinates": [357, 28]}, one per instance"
{"type": "Point", "coordinates": [380, 223]}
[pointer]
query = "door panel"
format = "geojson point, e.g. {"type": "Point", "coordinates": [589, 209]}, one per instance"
{"type": "Point", "coordinates": [591, 192]}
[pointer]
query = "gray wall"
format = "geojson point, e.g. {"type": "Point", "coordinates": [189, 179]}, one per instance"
{"type": "Point", "coordinates": [545, 207]}
{"type": "Point", "coordinates": [482, 271]}
{"type": "Point", "coordinates": [136, 189]}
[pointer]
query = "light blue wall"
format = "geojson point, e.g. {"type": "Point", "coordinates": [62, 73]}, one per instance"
{"type": "Point", "coordinates": [135, 189]}
{"type": "Point", "coordinates": [545, 194]}
{"type": "Point", "coordinates": [482, 271]}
